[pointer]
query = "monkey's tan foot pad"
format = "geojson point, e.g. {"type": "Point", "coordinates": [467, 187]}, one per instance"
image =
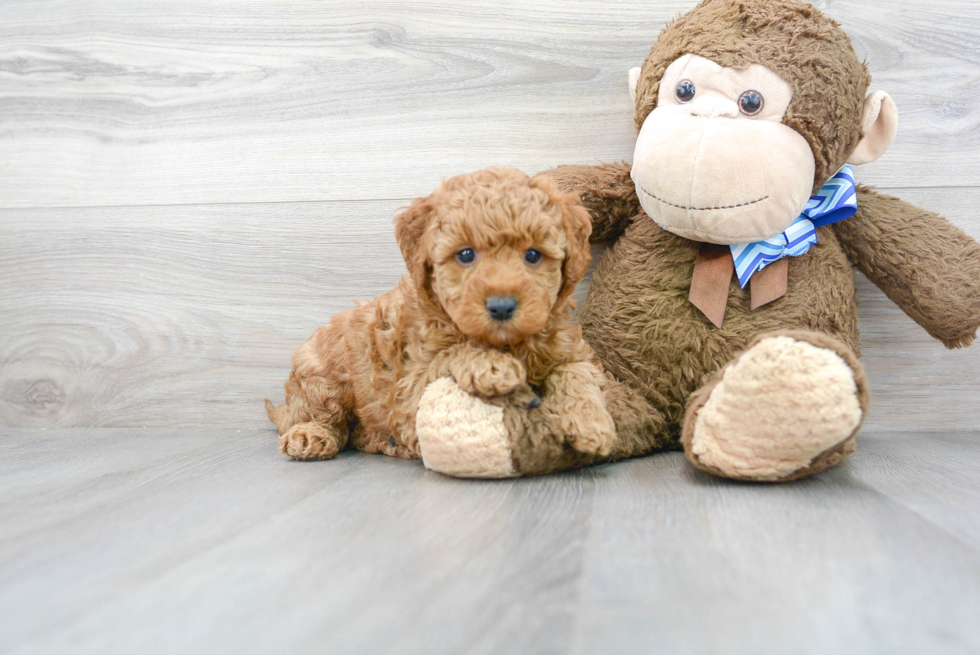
{"type": "Point", "coordinates": [788, 406]}
{"type": "Point", "coordinates": [462, 436]}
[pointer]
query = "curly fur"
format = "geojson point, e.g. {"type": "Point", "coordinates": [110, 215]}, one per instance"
{"type": "Point", "coordinates": [361, 376]}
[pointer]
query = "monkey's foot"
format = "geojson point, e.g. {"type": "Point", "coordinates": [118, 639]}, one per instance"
{"type": "Point", "coordinates": [501, 437]}
{"type": "Point", "coordinates": [461, 435]}
{"type": "Point", "coordinates": [786, 407]}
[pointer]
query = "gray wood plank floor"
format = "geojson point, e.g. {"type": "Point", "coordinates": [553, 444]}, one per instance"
{"type": "Point", "coordinates": [208, 541]}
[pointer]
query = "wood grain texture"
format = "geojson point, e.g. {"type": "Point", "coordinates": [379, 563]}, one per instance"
{"type": "Point", "coordinates": [209, 541]}
{"type": "Point", "coordinates": [174, 315]}
{"type": "Point", "coordinates": [298, 129]}
{"type": "Point", "coordinates": [188, 315]}
{"type": "Point", "coordinates": [127, 103]}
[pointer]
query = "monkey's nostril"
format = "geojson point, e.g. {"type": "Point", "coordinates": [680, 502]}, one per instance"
{"type": "Point", "coordinates": [501, 308]}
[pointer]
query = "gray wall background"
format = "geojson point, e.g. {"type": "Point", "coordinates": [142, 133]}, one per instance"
{"type": "Point", "coordinates": [188, 189]}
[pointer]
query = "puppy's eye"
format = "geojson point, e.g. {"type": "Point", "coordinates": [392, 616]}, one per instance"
{"type": "Point", "coordinates": [466, 256]}
{"type": "Point", "coordinates": [686, 90]}
{"type": "Point", "coordinates": [751, 103]}
{"type": "Point", "coordinates": [532, 256]}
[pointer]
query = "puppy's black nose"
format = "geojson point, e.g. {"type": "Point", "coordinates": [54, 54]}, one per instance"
{"type": "Point", "coordinates": [501, 308]}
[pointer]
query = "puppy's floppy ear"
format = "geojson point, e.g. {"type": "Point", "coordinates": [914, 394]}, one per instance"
{"type": "Point", "coordinates": [577, 223]}
{"type": "Point", "coordinates": [578, 226]}
{"type": "Point", "coordinates": [411, 231]}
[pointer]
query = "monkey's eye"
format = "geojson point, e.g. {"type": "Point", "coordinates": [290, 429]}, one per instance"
{"type": "Point", "coordinates": [532, 256]}
{"type": "Point", "coordinates": [686, 90]}
{"type": "Point", "coordinates": [751, 103]}
{"type": "Point", "coordinates": [466, 256]}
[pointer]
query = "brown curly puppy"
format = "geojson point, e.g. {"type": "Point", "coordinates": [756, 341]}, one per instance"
{"type": "Point", "coordinates": [493, 258]}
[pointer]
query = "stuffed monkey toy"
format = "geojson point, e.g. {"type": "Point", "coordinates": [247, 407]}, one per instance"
{"type": "Point", "coordinates": [725, 312]}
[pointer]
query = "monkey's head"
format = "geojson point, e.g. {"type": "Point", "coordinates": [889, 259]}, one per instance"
{"type": "Point", "coordinates": [745, 108]}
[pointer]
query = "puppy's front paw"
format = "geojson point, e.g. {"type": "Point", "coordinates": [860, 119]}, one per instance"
{"type": "Point", "coordinates": [592, 431]}
{"type": "Point", "coordinates": [309, 441]}
{"type": "Point", "coordinates": [583, 418]}
{"type": "Point", "coordinates": [488, 373]}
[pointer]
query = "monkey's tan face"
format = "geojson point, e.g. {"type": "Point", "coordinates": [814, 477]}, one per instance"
{"type": "Point", "coordinates": [713, 162]}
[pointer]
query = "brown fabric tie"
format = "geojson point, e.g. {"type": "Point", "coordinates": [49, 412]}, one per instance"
{"type": "Point", "coordinates": [712, 278]}
{"type": "Point", "coordinates": [770, 283]}
{"type": "Point", "coordinates": [713, 272]}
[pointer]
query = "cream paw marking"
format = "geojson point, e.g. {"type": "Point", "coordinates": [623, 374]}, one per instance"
{"type": "Point", "coordinates": [789, 404]}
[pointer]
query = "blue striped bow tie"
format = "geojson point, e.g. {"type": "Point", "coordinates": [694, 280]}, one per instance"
{"type": "Point", "coordinates": [836, 201]}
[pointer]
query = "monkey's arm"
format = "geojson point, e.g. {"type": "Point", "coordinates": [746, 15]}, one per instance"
{"type": "Point", "coordinates": [926, 265]}
{"type": "Point", "coordinates": [606, 191]}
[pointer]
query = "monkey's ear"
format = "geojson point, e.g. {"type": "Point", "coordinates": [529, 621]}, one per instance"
{"type": "Point", "coordinates": [634, 77]}
{"type": "Point", "coordinates": [411, 228]}
{"type": "Point", "coordinates": [879, 124]}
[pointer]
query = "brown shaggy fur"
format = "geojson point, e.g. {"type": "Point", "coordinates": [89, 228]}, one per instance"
{"type": "Point", "coordinates": [362, 375]}
{"type": "Point", "coordinates": [653, 343]}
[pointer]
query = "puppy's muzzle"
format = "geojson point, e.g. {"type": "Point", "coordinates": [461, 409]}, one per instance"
{"type": "Point", "coordinates": [501, 308]}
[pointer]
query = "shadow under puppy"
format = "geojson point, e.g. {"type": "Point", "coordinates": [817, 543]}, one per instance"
{"type": "Point", "coordinates": [493, 257]}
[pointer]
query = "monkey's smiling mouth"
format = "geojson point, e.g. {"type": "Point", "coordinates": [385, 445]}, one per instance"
{"type": "Point", "coordinates": [701, 209]}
